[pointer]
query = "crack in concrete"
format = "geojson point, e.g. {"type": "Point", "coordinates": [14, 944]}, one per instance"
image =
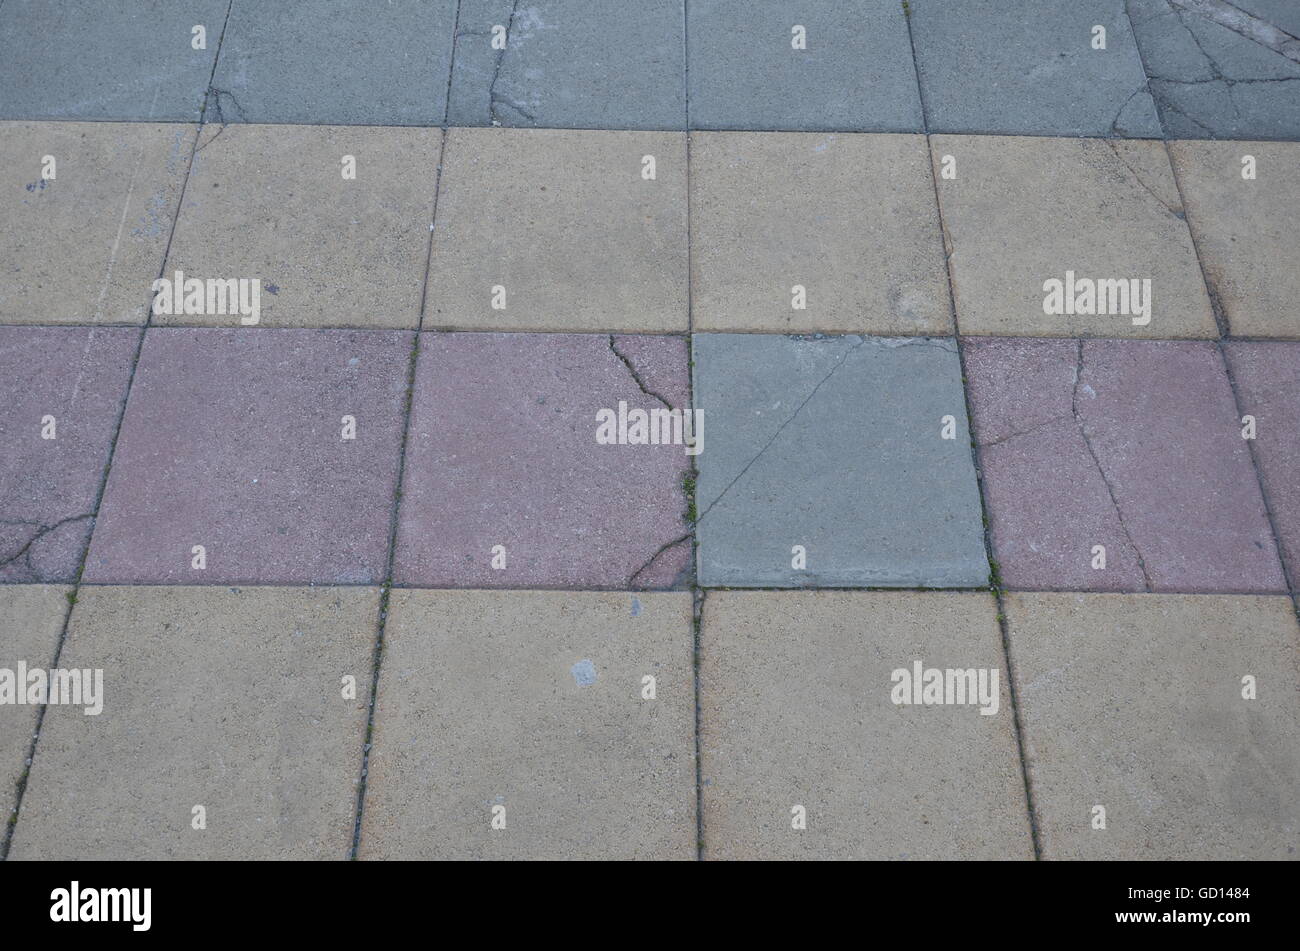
{"type": "Point", "coordinates": [42, 529]}
{"type": "Point", "coordinates": [496, 74]}
{"type": "Point", "coordinates": [214, 96]}
{"type": "Point", "coordinates": [780, 429]}
{"type": "Point", "coordinates": [666, 546]}
{"type": "Point", "coordinates": [636, 376]}
{"type": "Point", "coordinates": [1174, 211]}
{"type": "Point", "coordinates": [1096, 461]}
{"type": "Point", "coordinates": [1260, 32]}
{"type": "Point", "coordinates": [1023, 432]}
{"type": "Point", "coordinates": [1114, 123]}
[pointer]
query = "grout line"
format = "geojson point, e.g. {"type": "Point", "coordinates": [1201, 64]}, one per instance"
{"type": "Point", "coordinates": [12, 825]}
{"type": "Point", "coordinates": [433, 221]}
{"type": "Point", "coordinates": [697, 624]}
{"type": "Point", "coordinates": [451, 69]}
{"type": "Point", "coordinates": [385, 593]}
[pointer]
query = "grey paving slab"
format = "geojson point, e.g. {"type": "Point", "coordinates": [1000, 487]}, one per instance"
{"type": "Point", "coordinates": [1022, 212]}
{"type": "Point", "coordinates": [509, 480]}
{"type": "Point", "coordinates": [1028, 67]}
{"type": "Point", "coordinates": [106, 59]}
{"type": "Point", "coordinates": [809, 65]}
{"type": "Point", "coordinates": [236, 441]}
{"type": "Point", "coordinates": [1131, 445]}
{"type": "Point", "coordinates": [1245, 229]}
{"type": "Point", "coordinates": [1210, 81]}
{"type": "Point", "coordinates": [562, 229]}
{"type": "Point", "coordinates": [228, 699]}
{"type": "Point", "coordinates": [61, 391]}
{"type": "Point", "coordinates": [335, 62]}
{"type": "Point", "coordinates": [570, 64]}
{"type": "Point", "coordinates": [270, 205]}
{"type": "Point", "coordinates": [849, 218]}
{"type": "Point", "coordinates": [31, 621]}
{"type": "Point", "coordinates": [835, 445]}
{"type": "Point", "coordinates": [85, 245]}
{"type": "Point", "coordinates": [570, 750]}
{"type": "Point", "coordinates": [1267, 380]}
{"type": "Point", "coordinates": [799, 708]}
{"type": "Point", "coordinates": [1137, 704]}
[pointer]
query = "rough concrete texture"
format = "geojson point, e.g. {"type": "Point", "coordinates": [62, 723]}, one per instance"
{"type": "Point", "coordinates": [68, 384]}
{"type": "Point", "coordinates": [334, 62]}
{"type": "Point", "coordinates": [1218, 81]}
{"type": "Point", "coordinates": [31, 620]}
{"type": "Point", "coordinates": [225, 698]}
{"type": "Point", "coordinates": [835, 444]}
{"type": "Point", "coordinates": [1133, 445]}
{"type": "Point", "coordinates": [851, 218]}
{"type": "Point", "coordinates": [570, 64]}
{"type": "Point", "coordinates": [502, 451]}
{"type": "Point", "coordinates": [84, 246]}
{"type": "Point", "coordinates": [1022, 211]}
{"type": "Point", "coordinates": [1245, 229]}
{"type": "Point", "coordinates": [854, 72]}
{"type": "Point", "coordinates": [1134, 703]}
{"type": "Point", "coordinates": [561, 738]}
{"type": "Point", "coordinates": [271, 204]}
{"type": "Point", "coordinates": [796, 710]}
{"type": "Point", "coordinates": [233, 440]}
{"type": "Point", "coordinates": [1030, 68]}
{"type": "Point", "coordinates": [106, 59]}
{"type": "Point", "coordinates": [567, 224]}
{"type": "Point", "coordinates": [1267, 377]}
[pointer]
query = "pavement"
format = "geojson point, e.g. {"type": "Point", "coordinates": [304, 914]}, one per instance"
{"type": "Point", "coordinates": [674, 430]}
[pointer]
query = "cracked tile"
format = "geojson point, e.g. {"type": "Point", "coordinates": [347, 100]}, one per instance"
{"type": "Point", "coordinates": [224, 698]}
{"type": "Point", "coordinates": [270, 204]}
{"type": "Point", "coordinates": [1267, 377]}
{"type": "Point", "coordinates": [570, 64]}
{"type": "Point", "coordinates": [850, 218]}
{"type": "Point", "coordinates": [234, 440]}
{"type": "Point", "coordinates": [989, 66]}
{"type": "Point", "coordinates": [503, 451]}
{"type": "Point", "coordinates": [1134, 703]}
{"type": "Point", "coordinates": [563, 740]}
{"type": "Point", "coordinates": [835, 444]}
{"type": "Point", "coordinates": [1210, 81]}
{"type": "Point", "coordinates": [568, 228]}
{"type": "Point", "coordinates": [85, 245]}
{"type": "Point", "coordinates": [1023, 212]}
{"type": "Point", "coordinates": [1245, 229]}
{"type": "Point", "coordinates": [31, 622]}
{"type": "Point", "coordinates": [334, 62]}
{"type": "Point", "coordinates": [1131, 445]}
{"type": "Point", "coordinates": [106, 59]}
{"type": "Point", "coordinates": [68, 384]}
{"type": "Point", "coordinates": [854, 73]}
{"type": "Point", "coordinates": [796, 709]}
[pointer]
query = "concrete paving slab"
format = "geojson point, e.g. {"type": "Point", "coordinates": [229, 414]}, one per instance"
{"type": "Point", "coordinates": [834, 445]}
{"type": "Point", "coordinates": [85, 245]}
{"type": "Point", "coordinates": [107, 59]}
{"type": "Point", "coordinates": [1131, 445]}
{"type": "Point", "coordinates": [563, 751]}
{"type": "Point", "coordinates": [31, 622]}
{"type": "Point", "coordinates": [850, 218]}
{"type": "Point", "coordinates": [570, 64]}
{"type": "Point", "coordinates": [988, 66]}
{"type": "Point", "coordinates": [797, 709]}
{"type": "Point", "coordinates": [1023, 212]}
{"type": "Point", "coordinates": [562, 229]}
{"type": "Point", "coordinates": [1210, 81]}
{"type": "Point", "coordinates": [1135, 703]}
{"type": "Point", "coordinates": [1245, 229]}
{"type": "Point", "coordinates": [812, 65]}
{"type": "Point", "coordinates": [238, 441]}
{"type": "Point", "coordinates": [61, 391]}
{"type": "Point", "coordinates": [226, 698]}
{"type": "Point", "coordinates": [505, 482]}
{"type": "Point", "coordinates": [1267, 378]}
{"type": "Point", "coordinates": [356, 250]}
{"type": "Point", "coordinates": [334, 62]}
